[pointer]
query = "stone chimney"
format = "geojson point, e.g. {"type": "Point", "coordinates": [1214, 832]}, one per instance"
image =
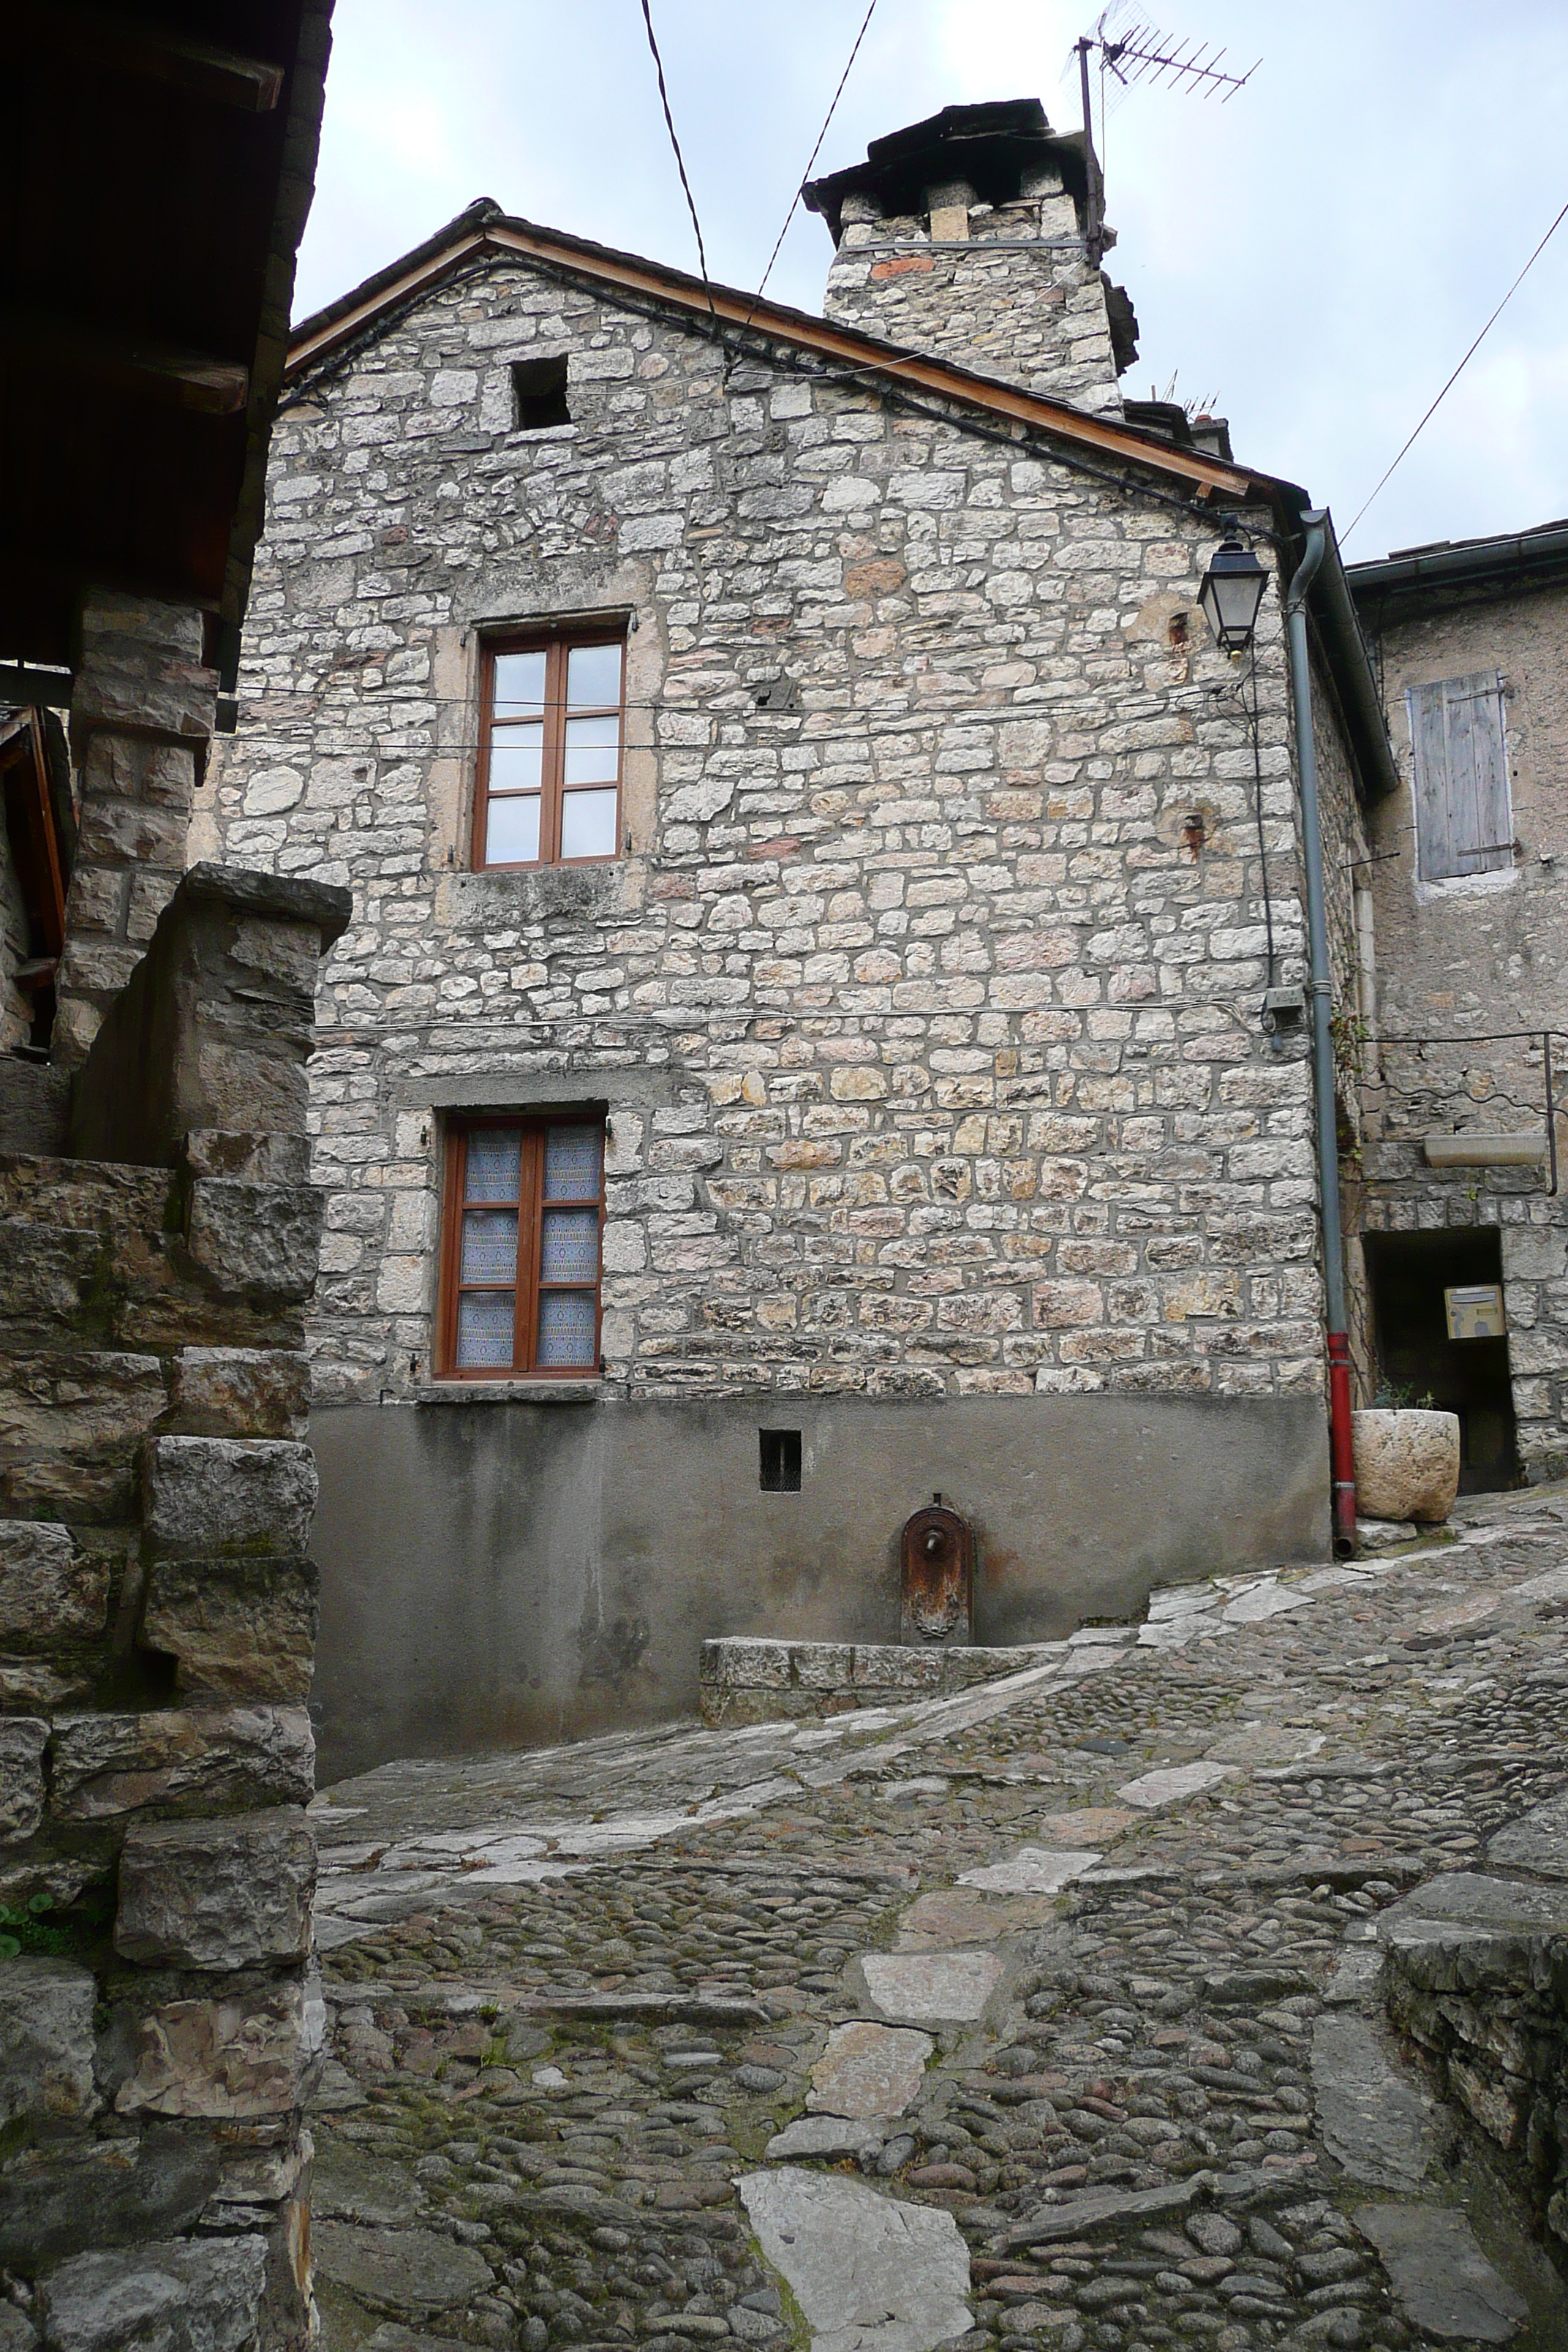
{"type": "Point", "coordinates": [963, 236]}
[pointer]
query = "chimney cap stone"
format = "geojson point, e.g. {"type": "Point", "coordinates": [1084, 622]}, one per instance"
{"type": "Point", "coordinates": [994, 147]}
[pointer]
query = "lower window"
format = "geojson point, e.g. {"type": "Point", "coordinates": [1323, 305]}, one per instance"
{"type": "Point", "coordinates": [519, 1260]}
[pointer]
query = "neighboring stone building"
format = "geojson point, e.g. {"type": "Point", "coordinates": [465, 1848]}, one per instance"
{"type": "Point", "coordinates": [1464, 924]}
{"type": "Point", "coordinates": [161, 2023]}
{"type": "Point", "coordinates": [785, 779]}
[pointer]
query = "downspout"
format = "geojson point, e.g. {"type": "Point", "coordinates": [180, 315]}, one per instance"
{"type": "Point", "coordinates": [1342, 1460]}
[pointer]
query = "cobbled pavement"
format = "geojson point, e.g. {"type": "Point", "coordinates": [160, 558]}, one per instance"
{"type": "Point", "coordinates": [574, 1995]}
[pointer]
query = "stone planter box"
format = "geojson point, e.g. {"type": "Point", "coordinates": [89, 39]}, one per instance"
{"type": "Point", "coordinates": [1406, 1465]}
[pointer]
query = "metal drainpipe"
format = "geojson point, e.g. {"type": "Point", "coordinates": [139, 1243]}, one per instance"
{"type": "Point", "coordinates": [1342, 1460]}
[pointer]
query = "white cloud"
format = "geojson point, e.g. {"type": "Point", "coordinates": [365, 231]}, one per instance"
{"type": "Point", "coordinates": [1318, 251]}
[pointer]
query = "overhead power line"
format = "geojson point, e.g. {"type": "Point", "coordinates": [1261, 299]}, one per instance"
{"type": "Point", "coordinates": [680, 161]}
{"type": "Point", "coordinates": [828, 119]}
{"type": "Point", "coordinates": [1464, 363]}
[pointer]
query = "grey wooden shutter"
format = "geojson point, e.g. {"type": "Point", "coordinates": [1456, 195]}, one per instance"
{"type": "Point", "coordinates": [1463, 818]}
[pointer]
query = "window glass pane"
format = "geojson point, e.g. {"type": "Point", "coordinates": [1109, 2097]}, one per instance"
{"type": "Point", "coordinates": [566, 1321]}
{"type": "Point", "coordinates": [519, 683]}
{"type": "Point", "coordinates": [495, 1160]}
{"type": "Point", "coordinates": [592, 677]}
{"type": "Point", "coordinates": [489, 1245]}
{"type": "Point", "coordinates": [593, 750]}
{"type": "Point", "coordinates": [515, 759]}
{"type": "Point", "coordinates": [571, 1158]}
{"type": "Point", "coordinates": [511, 831]}
{"type": "Point", "coordinates": [485, 1322]}
{"type": "Point", "coordinates": [588, 824]}
{"type": "Point", "coordinates": [569, 1249]}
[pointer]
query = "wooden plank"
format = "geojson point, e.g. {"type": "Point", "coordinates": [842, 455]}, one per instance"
{"type": "Point", "coordinates": [1494, 807]}
{"type": "Point", "coordinates": [1458, 728]}
{"type": "Point", "coordinates": [119, 41]}
{"type": "Point", "coordinates": [30, 823]}
{"type": "Point", "coordinates": [1428, 741]}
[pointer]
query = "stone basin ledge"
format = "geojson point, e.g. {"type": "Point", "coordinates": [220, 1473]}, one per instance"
{"type": "Point", "coordinates": [745, 1679]}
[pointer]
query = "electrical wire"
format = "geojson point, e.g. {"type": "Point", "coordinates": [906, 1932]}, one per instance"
{"type": "Point", "coordinates": [680, 164]}
{"type": "Point", "coordinates": [1464, 363]}
{"type": "Point", "coordinates": [805, 175]}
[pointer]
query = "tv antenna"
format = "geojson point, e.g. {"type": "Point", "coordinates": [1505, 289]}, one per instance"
{"type": "Point", "coordinates": [1140, 53]}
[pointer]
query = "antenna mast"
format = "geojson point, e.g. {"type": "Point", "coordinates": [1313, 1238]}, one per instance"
{"type": "Point", "coordinates": [1140, 53]}
{"type": "Point", "coordinates": [1094, 178]}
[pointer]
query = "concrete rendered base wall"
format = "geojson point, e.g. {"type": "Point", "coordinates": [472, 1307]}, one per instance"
{"type": "Point", "coordinates": [496, 1573]}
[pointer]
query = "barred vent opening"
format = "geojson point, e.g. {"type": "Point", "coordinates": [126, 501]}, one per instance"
{"type": "Point", "coordinates": [779, 1461]}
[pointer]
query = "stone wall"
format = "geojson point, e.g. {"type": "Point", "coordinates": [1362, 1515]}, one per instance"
{"type": "Point", "coordinates": [1484, 952]}
{"type": "Point", "coordinates": [141, 714]}
{"type": "Point", "coordinates": [157, 1619]}
{"type": "Point", "coordinates": [929, 1027]}
{"type": "Point", "coordinates": [1491, 2011]}
{"type": "Point", "coordinates": [500, 1571]}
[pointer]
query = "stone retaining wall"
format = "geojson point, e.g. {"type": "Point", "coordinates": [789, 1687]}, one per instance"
{"type": "Point", "coordinates": [1493, 2012]}
{"type": "Point", "coordinates": [157, 1626]}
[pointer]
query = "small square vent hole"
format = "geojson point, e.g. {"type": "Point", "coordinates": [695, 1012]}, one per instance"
{"type": "Point", "coordinates": [539, 389]}
{"type": "Point", "coordinates": [778, 1461]}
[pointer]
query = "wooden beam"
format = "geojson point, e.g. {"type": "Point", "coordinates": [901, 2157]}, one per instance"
{"type": "Point", "coordinates": [106, 41]}
{"type": "Point", "coordinates": [35, 845]}
{"type": "Point", "coordinates": [42, 343]}
{"type": "Point", "coordinates": [70, 567]}
{"type": "Point", "coordinates": [44, 689]}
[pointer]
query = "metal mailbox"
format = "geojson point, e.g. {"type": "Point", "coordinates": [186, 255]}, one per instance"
{"type": "Point", "coordinates": [1475, 1311]}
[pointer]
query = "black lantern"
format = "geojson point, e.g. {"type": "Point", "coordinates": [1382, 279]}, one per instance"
{"type": "Point", "coordinates": [1231, 592]}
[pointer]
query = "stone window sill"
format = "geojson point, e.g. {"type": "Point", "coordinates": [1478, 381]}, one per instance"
{"type": "Point", "coordinates": [546, 1392]}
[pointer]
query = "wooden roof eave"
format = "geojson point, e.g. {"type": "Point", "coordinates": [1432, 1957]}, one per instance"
{"type": "Point", "coordinates": [1206, 477]}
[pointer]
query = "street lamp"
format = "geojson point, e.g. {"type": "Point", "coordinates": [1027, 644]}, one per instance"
{"type": "Point", "coordinates": [1231, 594]}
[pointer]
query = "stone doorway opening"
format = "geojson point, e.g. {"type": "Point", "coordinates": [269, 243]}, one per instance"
{"type": "Point", "coordinates": [1414, 1278]}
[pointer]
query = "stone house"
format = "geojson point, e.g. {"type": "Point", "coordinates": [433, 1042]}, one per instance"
{"type": "Point", "coordinates": [1463, 920]}
{"type": "Point", "coordinates": [801, 1044]}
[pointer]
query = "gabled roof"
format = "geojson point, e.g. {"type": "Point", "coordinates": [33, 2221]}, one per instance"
{"type": "Point", "coordinates": [1520, 560]}
{"type": "Point", "coordinates": [484, 230]}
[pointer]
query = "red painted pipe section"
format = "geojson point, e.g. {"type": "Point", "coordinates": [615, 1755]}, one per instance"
{"type": "Point", "coordinates": [1341, 1457]}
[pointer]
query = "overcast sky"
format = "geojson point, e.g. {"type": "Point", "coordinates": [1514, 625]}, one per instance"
{"type": "Point", "coordinates": [1313, 255]}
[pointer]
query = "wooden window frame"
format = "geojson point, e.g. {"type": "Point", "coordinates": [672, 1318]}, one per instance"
{"type": "Point", "coordinates": [530, 1205]}
{"type": "Point", "coordinates": [556, 645]}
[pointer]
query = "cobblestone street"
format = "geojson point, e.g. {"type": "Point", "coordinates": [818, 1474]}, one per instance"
{"type": "Point", "coordinates": [1050, 2014]}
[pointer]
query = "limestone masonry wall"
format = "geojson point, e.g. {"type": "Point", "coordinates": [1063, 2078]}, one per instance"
{"type": "Point", "coordinates": [924, 1002]}
{"type": "Point", "coordinates": [1478, 954]}
{"type": "Point", "coordinates": [157, 1625]}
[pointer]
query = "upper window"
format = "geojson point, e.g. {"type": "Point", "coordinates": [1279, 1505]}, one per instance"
{"type": "Point", "coordinates": [539, 392]}
{"type": "Point", "coordinates": [1464, 822]}
{"type": "Point", "coordinates": [519, 1289]}
{"type": "Point", "coordinates": [550, 761]}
